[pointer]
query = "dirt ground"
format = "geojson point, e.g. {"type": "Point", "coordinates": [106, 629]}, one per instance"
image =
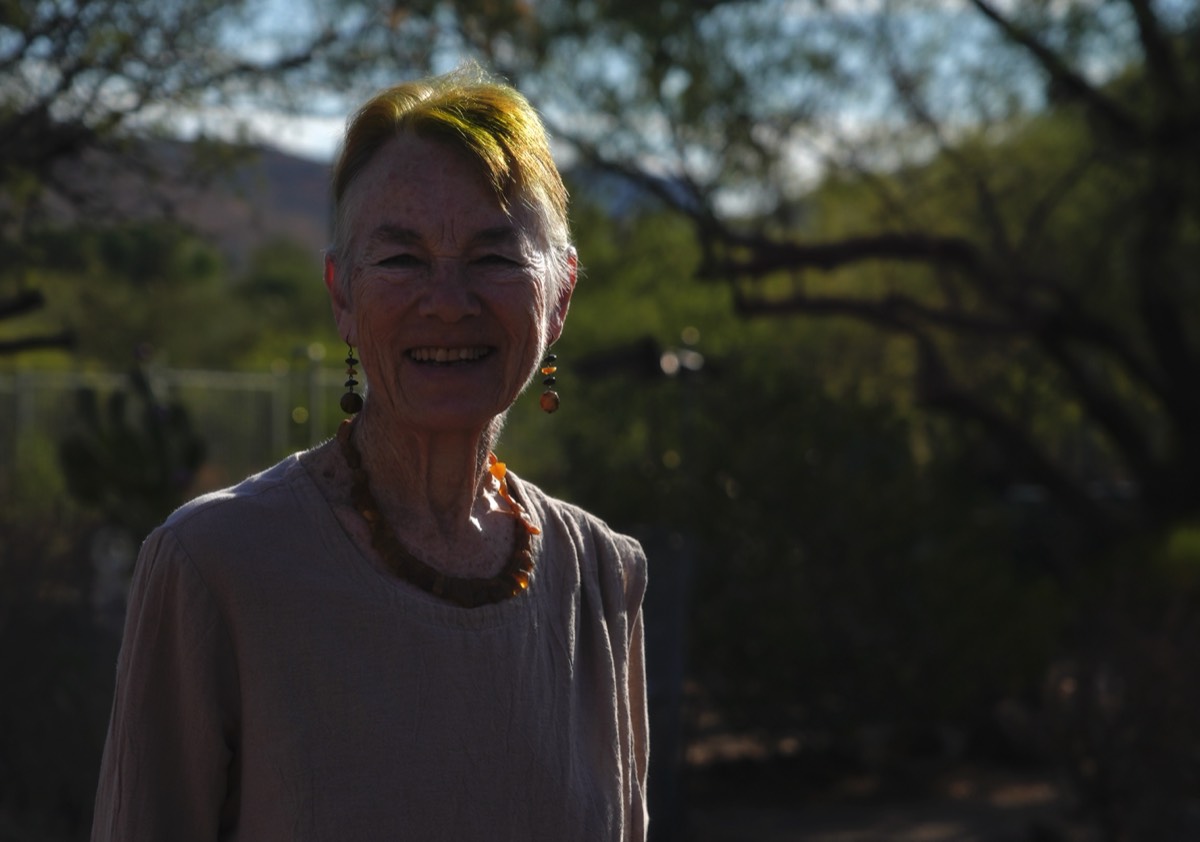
{"type": "Point", "coordinates": [970, 806]}
{"type": "Point", "coordinates": [752, 800]}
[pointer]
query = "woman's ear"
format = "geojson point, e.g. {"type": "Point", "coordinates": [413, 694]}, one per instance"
{"type": "Point", "coordinates": [558, 308]}
{"type": "Point", "coordinates": [338, 300]}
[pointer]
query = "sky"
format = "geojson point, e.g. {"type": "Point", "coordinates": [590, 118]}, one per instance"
{"type": "Point", "coordinates": [316, 137]}
{"type": "Point", "coordinates": [313, 137]}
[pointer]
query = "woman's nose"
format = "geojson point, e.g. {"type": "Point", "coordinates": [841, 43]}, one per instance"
{"type": "Point", "coordinates": [448, 294]}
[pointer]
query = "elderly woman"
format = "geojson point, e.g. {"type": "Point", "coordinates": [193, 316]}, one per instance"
{"type": "Point", "coordinates": [388, 637]}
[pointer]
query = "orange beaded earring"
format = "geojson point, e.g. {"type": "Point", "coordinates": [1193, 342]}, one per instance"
{"type": "Point", "coordinates": [352, 401]}
{"type": "Point", "coordinates": [549, 400]}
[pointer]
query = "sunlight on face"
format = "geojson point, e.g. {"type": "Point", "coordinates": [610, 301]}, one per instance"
{"type": "Point", "coordinates": [446, 292]}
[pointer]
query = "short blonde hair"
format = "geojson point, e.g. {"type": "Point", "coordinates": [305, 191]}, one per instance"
{"type": "Point", "coordinates": [481, 115]}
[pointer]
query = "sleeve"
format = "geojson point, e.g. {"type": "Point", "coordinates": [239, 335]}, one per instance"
{"type": "Point", "coordinates": [624, 560]}
{"type": "Point", "coordinates": [167, 767]}
{"type": "Point", "coordinates": [639, 717]}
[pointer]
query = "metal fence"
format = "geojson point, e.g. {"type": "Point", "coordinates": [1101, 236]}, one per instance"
{"type": "Point", "coordinates": [247, 420]}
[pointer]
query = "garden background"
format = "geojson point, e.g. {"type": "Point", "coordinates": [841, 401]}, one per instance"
{"type": "Point", "coordinates": [886, 347]}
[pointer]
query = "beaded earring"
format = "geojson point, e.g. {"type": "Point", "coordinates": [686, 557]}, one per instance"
{"type": "Point", "coordinates": [352, 401]}
{"type": "Point", "coordinates": [549, 400]}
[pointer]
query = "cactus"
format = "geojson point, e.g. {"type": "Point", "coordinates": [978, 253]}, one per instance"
{"type": "Point", "coordinates": [134, 471]}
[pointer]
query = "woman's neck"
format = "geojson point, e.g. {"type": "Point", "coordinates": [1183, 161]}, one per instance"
{"type": "Point", "coordinates": [436, 483]}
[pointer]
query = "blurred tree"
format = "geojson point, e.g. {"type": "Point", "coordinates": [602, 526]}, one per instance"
{"type": "Point", "coordinates": [282, 288]}
{"type": "Point", "coordinates": [835, 581]}
{"type": "Point", "coordinates": [1018, 197]}
{"type": "Point", "coordinates": [149, 291]}
{"type": "Point", "coordinates": [135, 471]}
{"type": "Point", "coordinates": [87, 81]}
{"type": "Point", "coordinates": [1011, 193]}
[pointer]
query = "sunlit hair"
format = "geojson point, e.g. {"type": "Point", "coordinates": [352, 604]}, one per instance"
{"type": "Point", "coordinates": [488, 119]}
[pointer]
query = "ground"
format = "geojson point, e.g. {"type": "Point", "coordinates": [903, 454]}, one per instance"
{"type": "Point", "coordinates": [783, 799]}
{"type": "Point", "coordinates": [970, 806]}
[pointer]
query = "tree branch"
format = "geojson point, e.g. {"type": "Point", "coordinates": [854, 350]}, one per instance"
{"type": "Point", "coordinates": [896, 312]}
{"type": "Point", "coordinates": [1161, 66]}
{"type": "Point", "coordinates": [1122, 430]}
{"type": "Point", "coordinates": [907, 89]}
{"type": "Point", "coordinates": [1048, 202]}
{"type": "Point", "coordinates": [1123, 124]}
{"type": "Point", "coordinates": [1159, 298]}
{"type": "Point", "coordinates": [21, 303]}
{"type": "Point", "coordinates": [769, 256]}
{"type": "Point", "coordinates": [62, 341]}
{"type": "Point", "coordinates": [936, 390]}
{"type": "Point", "coordinates": [1071, 322]}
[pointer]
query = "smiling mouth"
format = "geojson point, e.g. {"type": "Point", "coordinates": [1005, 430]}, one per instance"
{"type": "Point", "coordinates": [450, 356]}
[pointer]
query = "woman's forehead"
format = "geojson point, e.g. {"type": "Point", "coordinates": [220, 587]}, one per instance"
{"type": "Point", "coordinates": [432, 188]}
{"type": "Point", "coordinates": [415, 170]}
{"type": "Point", "coordinates": [414, 184]}
{"type": "Point", "coordinates": [388, 234]}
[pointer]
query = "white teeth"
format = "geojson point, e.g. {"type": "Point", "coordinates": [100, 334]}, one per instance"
{"type": "Point", "coordinates": [449, 355]}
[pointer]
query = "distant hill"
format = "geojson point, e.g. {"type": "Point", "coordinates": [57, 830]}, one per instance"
{"type": "Point", "coordinates": [271, 195]}
{"type": "Point", "coordinates": [257, 195]}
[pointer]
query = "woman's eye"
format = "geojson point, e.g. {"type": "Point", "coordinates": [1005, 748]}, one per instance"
{"type": "Point", "coordinates": [401, 261]}
{"type": "Point", "coordinates": [496, 260]}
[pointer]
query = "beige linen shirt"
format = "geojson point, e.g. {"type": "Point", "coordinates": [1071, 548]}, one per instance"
{"type": "Point", "coordinates": [275, 684]}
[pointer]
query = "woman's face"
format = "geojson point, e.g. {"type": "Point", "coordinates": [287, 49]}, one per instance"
{"type": "Point", "coordinates": [446, 299]}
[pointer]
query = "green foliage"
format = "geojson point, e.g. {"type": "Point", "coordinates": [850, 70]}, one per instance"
{"type": "Point", "coordinates": [38, 474]}
{"type": "Point", "coordinates": [846, 569]}
{"type": "Point", "coordinates": [155, 291]}
{"type": "Point", "coordinates": [1054, 334]}
{"type": "Point", "coordinates": [86, 85]}
{"type": "Point", "coordinates": [139, 291]}
{"type": "Point", "coordinates": [842, 561]}
{"type": "Point", "coordinates": [282, 293]}
{"type": "Point", "coordinates": [1181, 557]}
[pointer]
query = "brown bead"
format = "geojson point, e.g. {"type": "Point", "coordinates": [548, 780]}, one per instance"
{"type": "Point", "coordinates": [549, 401]}
{"type": "Point", "coordinates": [352, 403]}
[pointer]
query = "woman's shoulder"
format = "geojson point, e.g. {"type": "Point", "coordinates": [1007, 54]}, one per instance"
{"type": "Point", "coordinates": [596, 544]}
{"type": "Point", "coordinates": [266, 489]}
{"type": "Point", "coordinates": [262, 516]}
{"type": "Point", "coordinates": [576, 519]}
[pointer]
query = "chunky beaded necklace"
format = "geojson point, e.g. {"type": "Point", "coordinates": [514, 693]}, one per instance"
{"type": "Point", "coordinates": [465, 591]}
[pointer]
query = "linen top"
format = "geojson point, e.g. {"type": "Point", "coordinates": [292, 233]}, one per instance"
{"type": "Point", "coordinates": [274, 683]}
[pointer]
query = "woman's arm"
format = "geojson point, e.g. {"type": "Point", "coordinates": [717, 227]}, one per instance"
{"type": "Point", "coordinates": [640, 725]}
{"type": "Point", "coordinates": [168, 760]}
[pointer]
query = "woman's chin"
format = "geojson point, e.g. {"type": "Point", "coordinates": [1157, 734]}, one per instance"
{"type": "Point", "coordinates": [454, 412]}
